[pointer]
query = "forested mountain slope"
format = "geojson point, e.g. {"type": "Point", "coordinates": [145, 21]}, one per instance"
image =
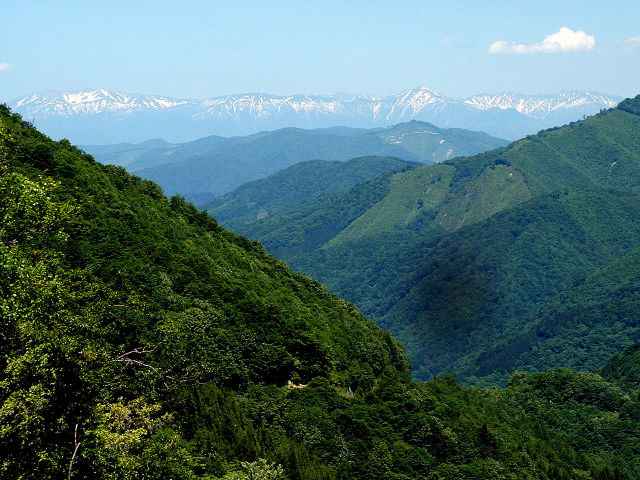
{"type": "Point", "coordinates": [461, 257]}
{"type": "Point", "coordinates": [624, 369]}
{"type": "Point", "coordinates": [118, 290]}
{"type": "Point", "coordinates": [141, 340]}
{"type": "Point", "coordinates": [269, 196]}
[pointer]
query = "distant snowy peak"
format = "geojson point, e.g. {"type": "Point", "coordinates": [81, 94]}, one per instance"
{"type": "Point", "coordinates": [540, 105]}
{"type": "Point", "coordinates": [412, 102]}
{"type": "Point", "coordinates": [406, 105]}
{"type": "Point", "coordinates": [92, 101]}
{"type": "Point", "coordinates": [261, 104]}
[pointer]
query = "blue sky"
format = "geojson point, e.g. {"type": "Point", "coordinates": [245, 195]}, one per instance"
{"type": "Point", "coordinates": [202, 49]}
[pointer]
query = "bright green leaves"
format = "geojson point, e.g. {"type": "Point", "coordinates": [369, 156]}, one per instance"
{"type": "Point", "coordinates": [134, 439]}
{"type": "Point", "coordinates": [31, 293]}
{"type": "Point", "coordinates": [258, 470]}
{"type": "Point", "coordinates": [122, 428]}
{"type": "Point", "coordinates": [33, 375]}
{"type": "Point", "coordinates": [200, 347]}
{"type": "Point", "coordinates": [28, 214]}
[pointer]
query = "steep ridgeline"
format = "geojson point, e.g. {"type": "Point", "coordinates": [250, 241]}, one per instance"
{"type": "Point", "coordinates": [485, 264]}
{"type": "Point", "coordinates": [141, 340]}
{"type": "Point", "coordinates": [211, 166]}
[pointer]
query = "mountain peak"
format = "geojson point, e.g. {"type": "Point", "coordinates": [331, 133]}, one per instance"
{"type": "Point", "coordinates": [427, 89]}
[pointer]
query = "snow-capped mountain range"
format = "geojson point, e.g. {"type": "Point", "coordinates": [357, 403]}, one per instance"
{"type": "Point", "coordinates": [105, 116]}
{"type": "Point", "coordinates": [540, 106]}
{"type": "Point", "coordinates": [95, 101]}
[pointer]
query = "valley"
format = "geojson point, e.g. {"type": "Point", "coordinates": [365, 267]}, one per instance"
{"type": "Point", "coordinates": [468, 261]}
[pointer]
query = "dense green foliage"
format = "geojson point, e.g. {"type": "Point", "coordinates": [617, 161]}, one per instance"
{"type": "Point", "coordinates": [211, 166]}
{"type": "Point", "coordinates": [559, 424]}
{"type": "Point", "coordinates": [140, 340]}
{"type": "Point", "coordinates": [487, 264]}
{"type": "Point", "coordinates": [585, 325]}
{"type": "Point", "coordinates": [129, 295]}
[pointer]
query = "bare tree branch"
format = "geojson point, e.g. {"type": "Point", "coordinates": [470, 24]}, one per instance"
{"type": "Point", "coordinates": [76, 445]}
{"type": "Point", "coordinates": [126, 357]}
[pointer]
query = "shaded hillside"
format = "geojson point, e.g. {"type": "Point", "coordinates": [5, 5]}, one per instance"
{"type": "Point", "coordinates": [624, 369]}
{"type": "Point", "coordinates": [487, 283]}
{"type": "Point", "coordinates": [465, 254]}
{"type": "Point", "coordinates": [583, 327]}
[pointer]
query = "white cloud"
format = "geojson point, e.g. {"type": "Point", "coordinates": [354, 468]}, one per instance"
{"type": "Point", "coordinates": [565, 40]}
{"type": "Point", "coordinates": [4, 66]}
{"type": "Point", "coordinates": [631, 43]}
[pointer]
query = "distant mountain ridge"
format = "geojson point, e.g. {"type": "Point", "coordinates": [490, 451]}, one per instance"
{"type": "Point", "coordinates": [105, 116]}
{"type": "Point", "coordinates": [94, 101]}
{"type": "Point", "coordinates": [214, 165]}
{"type": "Point", "coordinates": [539, 106]}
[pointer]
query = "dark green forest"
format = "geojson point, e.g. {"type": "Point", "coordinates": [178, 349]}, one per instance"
{"type": "Point", "coordinates": [521, 258]}
{"type": "Point", "coordinates": [141, 340]}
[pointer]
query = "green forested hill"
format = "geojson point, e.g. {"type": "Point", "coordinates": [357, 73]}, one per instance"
{"type": "Point", "coordinates": [431, 144]}
{"type": "Point", "coordinates": [141, 340]}
{"type": "Point", "coordinates": [581, 328]}
{"type": "Point", "coordinates": [212, 166]}
{"type": "Point", "coordinates": [469, 261]}
{"type": "Point", "coordinates": [262, 198]}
